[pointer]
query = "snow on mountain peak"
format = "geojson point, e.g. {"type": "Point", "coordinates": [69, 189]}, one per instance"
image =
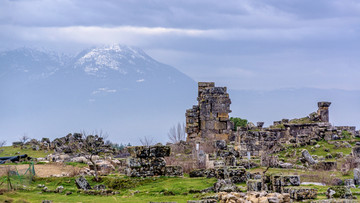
{"type": "Point", "coordinates": [122, 59]}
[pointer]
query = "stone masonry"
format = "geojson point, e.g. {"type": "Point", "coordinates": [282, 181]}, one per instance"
{"type": "Point", "coordinates": [210, 118]}
{"type": "Point", "coordinates": [149, 161]}
{"type": "Point", "coordinates": [323, 111]}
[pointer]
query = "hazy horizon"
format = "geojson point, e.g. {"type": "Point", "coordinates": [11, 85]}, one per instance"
{"type": "Point", "coordinates": [268, 53]}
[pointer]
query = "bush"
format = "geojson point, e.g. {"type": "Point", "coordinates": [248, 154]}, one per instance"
{"type": "Point", "coordinates": [238, 122]}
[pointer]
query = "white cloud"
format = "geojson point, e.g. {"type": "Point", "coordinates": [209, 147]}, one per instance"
{"type": "Point", "coordinates": [103, 90]}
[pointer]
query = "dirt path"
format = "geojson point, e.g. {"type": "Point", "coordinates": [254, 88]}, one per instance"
{"type": "Point", "coordinates": [41, 170]}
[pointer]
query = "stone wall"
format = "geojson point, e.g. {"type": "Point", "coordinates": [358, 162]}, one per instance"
{"type": "Point", "coordinates": [210, 118]}
{"type": "Point", "coordinates": [149, 161]}
{"type": "Point", "coordinates": [303, 131]}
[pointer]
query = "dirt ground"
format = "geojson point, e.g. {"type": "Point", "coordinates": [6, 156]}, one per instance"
{"type": "Point", "coordinates": [41, 170]}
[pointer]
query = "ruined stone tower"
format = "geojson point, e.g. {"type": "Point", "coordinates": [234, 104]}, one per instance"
{"type": "Point", "coordinates": [210, 118]}
{"type": "Point", "coordinates": [323, 111]}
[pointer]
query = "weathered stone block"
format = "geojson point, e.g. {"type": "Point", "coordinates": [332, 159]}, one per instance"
{"type": "Point", "coordinates": [301, 193]}
{"type": "Point", "coordinates": [82, 183]}
{"type": "Point", "coordinates": [254, 185]}
{"type": "Point", "coordinates": [306, 155]}
{"type": "Point", "coordinates": [290, 180]}
{"type": "Point", "coordinates": [197, 173]}
{"type": "Point", "coordinates": [220, 125]}
{"type": "Point", "coordinates": [222, 136]}
{"type": "Point", "coordinates": [152, 151]}
{"type": "Point", "coordinates": [173, 171]}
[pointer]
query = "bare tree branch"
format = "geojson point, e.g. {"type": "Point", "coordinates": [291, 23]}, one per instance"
{"type": "Point", "coordinates": [24, 139]}
{"type": "Point", "coordinates": [147, 141]}
{"type": "Point", "coordinates": [2, 143]}
{"type": "Point", "coordinates": [93, 145]}
{"type": "Point", "coordinates": [177, 133]}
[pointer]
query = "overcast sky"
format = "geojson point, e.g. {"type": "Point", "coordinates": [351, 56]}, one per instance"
{"type": "Point", "coordinates": [244, 44]}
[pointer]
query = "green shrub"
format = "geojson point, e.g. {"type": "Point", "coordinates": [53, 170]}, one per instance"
{"type": "Point", "coordinates": [238, 122]}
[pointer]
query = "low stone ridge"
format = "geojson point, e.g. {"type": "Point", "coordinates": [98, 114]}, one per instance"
{"type": "Point", "coordinates": [325, 165]}
{"type": "Point", "coordinates": [203, 201]}
{"type": "Point", "coordinates": [82, 183]}
{"type": "Point", "coordinates": [273, 183]}
{"type": "Point", "coordinates": [335, 201]}
{"type": "Point", "coordinates": [149, 151]}
{"type": "Point", "coordinates": [236, 174]}
{"type": "Point", "coordinates": [253, 197]}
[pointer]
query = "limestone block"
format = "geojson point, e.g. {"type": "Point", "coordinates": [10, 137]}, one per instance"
{"type": "Point", "coordinates": [254, 185]}
{"type": "Point", "coordinates": [290, 180]}
{"type": "Point", "coordinates": [220, 125]}
{"type": "Point", "coordinates": [301, 193]}
{"type": "Point", "coordinates": [221, 136]}
{"type": "Point", "coordinates": [306, 155]}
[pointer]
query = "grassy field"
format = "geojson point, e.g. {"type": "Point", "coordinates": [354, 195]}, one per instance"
{"type": "Point", "coordinates": [164, 189]}
{"type": "Point", "coordinates": [158, 189]}
{"type": "Point", "coordinates": [155, 189]}
{"type": "Point", "coordinates": [13, 151]}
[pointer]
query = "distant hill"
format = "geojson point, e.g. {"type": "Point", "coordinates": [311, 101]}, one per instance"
{"type": "Point", "coordinates": [118, 89]}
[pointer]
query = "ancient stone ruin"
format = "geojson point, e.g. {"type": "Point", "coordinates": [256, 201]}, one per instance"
{"type": "Point", "coordinates": [209, 121]}
{"type": "Point", "coordinates": [148, 161]}
{"type": "Point", "coordinates": [210, 118]}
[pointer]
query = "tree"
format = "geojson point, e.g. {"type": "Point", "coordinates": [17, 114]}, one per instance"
{"type": "Point", "coordinates": [146, 141]}
{"type": "Point", "coordinates": [24, 139]}
{"type": "Point", "coordinates": [93, 145]}
{"type": "Point", "coordinates": [2, 143]}
{"type": "Point", "coordinates": [238, 122]}
{"type": "Point", "coordinates": [177, 133]}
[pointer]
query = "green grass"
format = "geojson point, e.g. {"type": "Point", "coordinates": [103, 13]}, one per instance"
{"type": "Point", "coordinates": [287, 154]}
{"type": "Point", "coordinates": [156, 189]}
{"type": "Point", "coordinates": [13, 151]}
{"type": "Point", "coordinates": [80, 165]}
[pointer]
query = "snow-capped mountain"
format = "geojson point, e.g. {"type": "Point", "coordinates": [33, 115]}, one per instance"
{"type": "Point", "coordinates": [114, 88]}
{"type": "Point", "coordinates": [116, 58]}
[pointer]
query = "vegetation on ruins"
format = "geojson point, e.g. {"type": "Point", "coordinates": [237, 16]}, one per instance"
{"type": "Point", "coordinates": [238, 122]}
